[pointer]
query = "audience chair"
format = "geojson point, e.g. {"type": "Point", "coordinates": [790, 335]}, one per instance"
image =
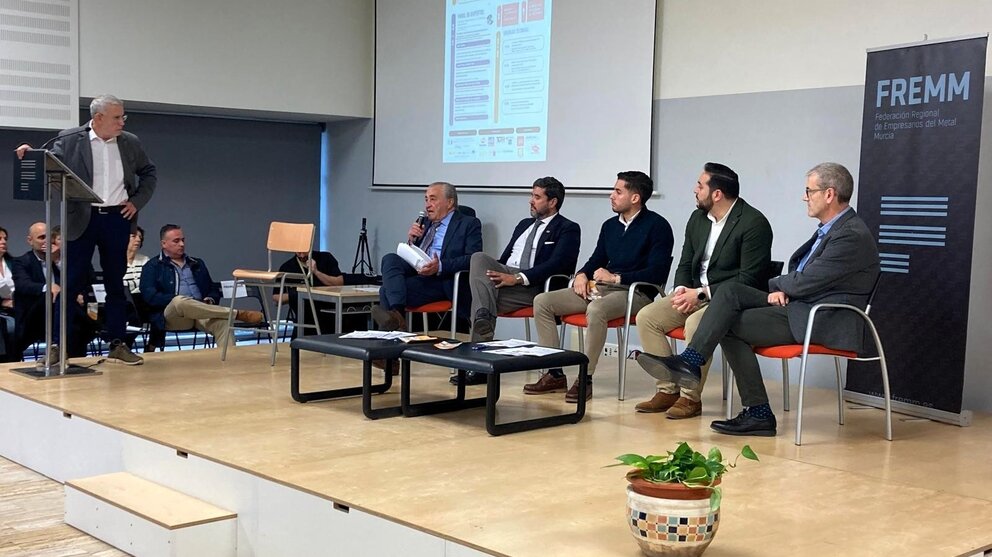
{"type": "Point", "coordinates": [527, 313]}
{"type": "Point", "coordinates": [804, 350]}
{"type": "Point", "coordinates": [283, 237]}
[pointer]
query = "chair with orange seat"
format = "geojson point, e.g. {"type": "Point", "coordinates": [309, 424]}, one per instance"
{"type": "Point", "coordinates": [804, 350]}
{"type": "Point", "coordinates": [527, 313]}
{"type": "Point", "coordinates": [439, 307]}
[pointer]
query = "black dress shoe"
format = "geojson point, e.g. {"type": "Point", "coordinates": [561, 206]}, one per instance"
{"type": "Point", "coordinates": [674, 368]}
{"type": "Point", "coordinates": [471, 378]}
{"type": "Point", "coordinates": [745, 424]}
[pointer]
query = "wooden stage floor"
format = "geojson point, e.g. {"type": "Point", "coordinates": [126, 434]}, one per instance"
{"type": "Point", "coordinates": [846, 491]}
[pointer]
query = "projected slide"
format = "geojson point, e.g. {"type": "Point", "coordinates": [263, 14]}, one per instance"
{"type": "Point", "coordinates": [496, 62]}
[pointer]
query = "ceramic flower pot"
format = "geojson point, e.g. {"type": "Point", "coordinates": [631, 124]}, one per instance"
{"type": "Point", "coordinates": [670, 519]}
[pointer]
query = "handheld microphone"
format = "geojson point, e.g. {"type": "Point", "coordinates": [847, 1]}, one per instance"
{"type": "Point", "coordinates": [422, 219]}
{"type": "Point", "coordinates": [85, 129]}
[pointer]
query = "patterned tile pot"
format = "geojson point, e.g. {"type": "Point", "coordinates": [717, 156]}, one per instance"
{"type": "Point", "coordinates": [670, 520]}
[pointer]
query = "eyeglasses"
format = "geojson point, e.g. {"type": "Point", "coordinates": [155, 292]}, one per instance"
{"type": "Point", "coordinates": [122, 117]}
{"type": "Point", "coordinates": [814, 190]}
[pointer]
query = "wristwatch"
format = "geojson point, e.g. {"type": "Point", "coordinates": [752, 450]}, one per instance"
{"type": "Point", "coordinates": [519, 277]}
{"type": "Point", "coordinates": [701, 294]}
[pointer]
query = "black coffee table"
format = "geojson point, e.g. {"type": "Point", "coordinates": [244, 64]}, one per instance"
{"type": "Point", "coordinates": [465, 358]}
{"type": "Point", "coordinates": [366, 350]}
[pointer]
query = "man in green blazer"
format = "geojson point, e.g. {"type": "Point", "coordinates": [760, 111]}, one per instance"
{"type": "Point", "coordinates": [726, 241]}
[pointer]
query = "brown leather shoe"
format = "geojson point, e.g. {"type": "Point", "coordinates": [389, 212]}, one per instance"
{"type": "Point", "coordinates": [249, 316]}
{"type": "Point", "coordinates": [685, 408]}
{"type": "Point", "coordinates": [573, 392]}
{"type": "Point", "coordinates": [394, 366]}
{"type": "Point", "coordinates": [658, 403]}
{"type": "Point", "coordinates": [547, 384]}
{"type": "Point", "coordinates": [388, 319]}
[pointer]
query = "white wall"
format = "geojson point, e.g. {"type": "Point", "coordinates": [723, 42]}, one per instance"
{"type": "Point", "coordinates": [721, 47]}
{"type": "Point", "coordinates": [294, 56]}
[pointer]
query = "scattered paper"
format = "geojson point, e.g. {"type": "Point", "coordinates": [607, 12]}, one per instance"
{"type": "Point", "coordinates": [418, 338]}
{"type": "Point", "coordinates": [445, 345]}
{"type": "Point", "coordinates": [377, 334]}
{"type": "Point", "coordinates": [509, 343]}
{"type": "Point", "coordinates": [526, 351]}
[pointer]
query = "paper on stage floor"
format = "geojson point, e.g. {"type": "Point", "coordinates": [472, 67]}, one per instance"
{"type": "Point", "coordinates": [412, 255]}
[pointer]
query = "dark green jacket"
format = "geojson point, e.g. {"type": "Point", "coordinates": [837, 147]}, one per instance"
{"type": "Point", "coordinates": [742, 253]}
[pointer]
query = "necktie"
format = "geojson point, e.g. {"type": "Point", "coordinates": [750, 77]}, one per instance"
{"type": "Point", "coordinates": [802, 263]}
{"type": "Point", "coordinates": [428, 239]}
{"type": "Point", "coordinates": [525, 258]}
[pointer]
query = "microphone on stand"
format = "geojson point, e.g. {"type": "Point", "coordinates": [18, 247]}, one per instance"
{"type": "Point", "coordinates": [85, 129]}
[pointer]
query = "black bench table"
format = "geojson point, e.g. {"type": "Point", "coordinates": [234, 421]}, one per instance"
{"type": "Point", "coordinates": [363, 349]}
{"type": "Point", "coordinates": [465, 358]}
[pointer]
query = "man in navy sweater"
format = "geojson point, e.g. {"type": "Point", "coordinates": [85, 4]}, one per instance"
{"type": "Point", "coordinates": [635, 246]}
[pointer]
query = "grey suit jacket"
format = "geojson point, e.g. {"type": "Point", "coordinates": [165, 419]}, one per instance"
{"type": "Point", "coordinates": [843, 270]}
{"type": "Point", "coordinates": [73, 148]}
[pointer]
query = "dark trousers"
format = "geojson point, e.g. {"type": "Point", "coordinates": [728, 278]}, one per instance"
{"type": "Point", "coordinates": [739, 318]}
{"type": "Point", "coordinates": [110, 233]}
{"type": "Point", "coordinates": [402, 287]}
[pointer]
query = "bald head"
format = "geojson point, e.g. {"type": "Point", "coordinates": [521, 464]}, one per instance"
{"type": "Point", "coordinates": [38, 237]}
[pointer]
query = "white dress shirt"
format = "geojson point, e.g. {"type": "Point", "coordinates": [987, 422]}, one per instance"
{"type": "Point", "coordinates": [716, 228]}
{"type": "Point", "coordinates": [108, 171]}
{"type": "Point", "coordinates": [516, 254]}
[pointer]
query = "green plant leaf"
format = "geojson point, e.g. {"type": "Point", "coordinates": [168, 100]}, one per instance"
{"type": "Point", "coordinates": [715, 454]}
{"type": "Point", "coordinates": [697, 475]}
{"type": "Point", "coordinates": [634, 460]}
{"type": "Point", "coordinates": [748, 453]}
{"type": "Point", "coordinates": [716, 496]}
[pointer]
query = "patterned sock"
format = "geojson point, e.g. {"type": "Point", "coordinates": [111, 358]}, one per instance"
{"type": "Point", "coordinates": [556, 372]}
{"type": "Point", "coordinates": [761, 411]}
{"type": "Point", "coordinates": [693, 357]}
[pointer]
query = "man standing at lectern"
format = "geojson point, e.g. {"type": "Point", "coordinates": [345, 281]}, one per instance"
{"type": "Point", "coordinates": [114, 164]}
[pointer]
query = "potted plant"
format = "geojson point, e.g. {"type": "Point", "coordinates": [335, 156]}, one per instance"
{"type": "Point", "coordinates": [673, 501]}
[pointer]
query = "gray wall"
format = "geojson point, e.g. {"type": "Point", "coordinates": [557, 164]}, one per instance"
{"type": "Point", "coordinates": [222, 180]}
{"type": "Point", "coordinates": [770, 138]}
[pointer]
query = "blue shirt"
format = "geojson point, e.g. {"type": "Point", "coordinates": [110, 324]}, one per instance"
{"type": "Point", "coordinates": [820, 233]}
{"type": "Point", "coordinates": [186, 283]}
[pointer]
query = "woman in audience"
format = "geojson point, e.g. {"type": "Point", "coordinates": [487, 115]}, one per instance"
{"type": "Point", "coordinates": [7, 349]}
{"type": "Point", "coordinates": [135, 261]}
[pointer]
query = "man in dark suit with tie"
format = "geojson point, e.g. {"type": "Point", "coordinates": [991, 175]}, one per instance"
{"type": "Point", "coordinates": [839, 264]}
{"type": "Point", "coordinates": [450, 238]}
{"type": "Point", "coordinates": [726, 241]}
{"type": "Point", "coordinates": [545, 244]}
{"type": "Point", "coordinates": [116, 167]}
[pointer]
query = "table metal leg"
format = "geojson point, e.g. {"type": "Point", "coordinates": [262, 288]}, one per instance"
{"type": "Point", "coordinates": [492, 395]}
{"type": "Point", "coordinates": [367, 389]}
{"type": "Point", "coordinates": [435, 406]}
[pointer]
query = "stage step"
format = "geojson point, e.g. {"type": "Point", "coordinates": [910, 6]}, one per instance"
{"type": "Point", "coordinates": [145, 518]}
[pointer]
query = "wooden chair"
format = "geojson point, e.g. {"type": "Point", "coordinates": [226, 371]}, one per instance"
{"type": "Point", "coordinates": [283, 237]}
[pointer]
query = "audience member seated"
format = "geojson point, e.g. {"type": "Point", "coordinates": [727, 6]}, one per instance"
{"type": "Point", "coordinates": [29, 274]}
{"type": "Point", "coordinates": [135, 261]}
{"type": "Point", "coordinates": [181, 295]}
{"type": "Point", "coordinates": [326, 272]}
{"type": "Point", "coordinates": [634, 246]}
{"type": "Point", "coordinates": [450, 239]}
{"type": "Point", "coordinates": [8, 346]}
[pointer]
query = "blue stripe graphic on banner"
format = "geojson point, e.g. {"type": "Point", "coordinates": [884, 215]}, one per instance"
{"type": "Point", "coordinates": [912, 214]}
{"type": "Point", "coordinates": [911, 206]}
{"type": "Point", "coordinates": [910, 242]}
{"type": "Point", "coordinates": [894, 270]}
{"type": "Point", "coordinates": [911, 235]}
{"type": "Point", "coordinates": [903, 227]}
{"type": "Point", "coordinates": [913, 198]}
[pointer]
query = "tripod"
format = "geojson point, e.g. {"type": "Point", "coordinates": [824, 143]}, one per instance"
{"type": "Point", "coordinates": [363, 259]}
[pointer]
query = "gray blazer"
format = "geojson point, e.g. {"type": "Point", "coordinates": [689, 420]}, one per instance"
{"type": "Point", "coordinates": [73, 148]}
{"type": "Point", "coordinates": [842, 270]}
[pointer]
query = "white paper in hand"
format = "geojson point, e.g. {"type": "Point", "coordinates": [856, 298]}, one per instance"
{"type": "Point", "coordinates": [412, 255]}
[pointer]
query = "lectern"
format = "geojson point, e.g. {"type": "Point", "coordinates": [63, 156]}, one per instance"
{"type": "Point", "coordinates": [40, 175]}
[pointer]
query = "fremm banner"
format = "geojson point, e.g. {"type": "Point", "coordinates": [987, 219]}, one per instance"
{"type": "Point", "coordinates": [920, 144]}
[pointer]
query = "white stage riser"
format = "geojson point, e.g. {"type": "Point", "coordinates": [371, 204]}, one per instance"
{"type": "Point", "coordinates": [138, 536]}
{"type": "Point", "coordinates": [273, 519]}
